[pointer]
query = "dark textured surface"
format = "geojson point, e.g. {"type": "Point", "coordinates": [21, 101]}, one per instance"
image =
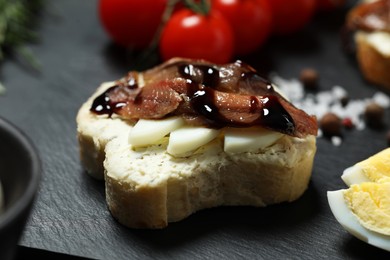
{"type": "Point", "coordinates": [70, 214]}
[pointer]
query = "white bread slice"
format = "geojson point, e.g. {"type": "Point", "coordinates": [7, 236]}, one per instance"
{"type": "Point", "coordinates": [148, 188]}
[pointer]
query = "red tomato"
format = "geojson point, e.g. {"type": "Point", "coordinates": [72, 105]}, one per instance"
{"type": "Point", "coordinates": [191, 35]}
{"type": "Point", "coordinates": [290, 16]}
{"type": "Point", "coordinates": [251, 21]}
{"type": "Point", "coordinates": [131, 23]}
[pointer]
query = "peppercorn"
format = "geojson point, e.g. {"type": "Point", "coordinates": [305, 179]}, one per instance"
{"type": "Point", "coordinates": [309, 78]}
{"type": "Point", "coordinates": [347, 123]}
{"type": "Point", "coordinates": [374, 115]}
{"type": "Point", "coordinates": [331, 124]}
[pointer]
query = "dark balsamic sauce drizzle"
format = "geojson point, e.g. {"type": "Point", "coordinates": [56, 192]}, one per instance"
{"type": "Point", "coordinates": [201, 82]}
{"type": "Point", "coordinates": [275, 115]}
{"type": "Point", "coordinates": [103, 103]}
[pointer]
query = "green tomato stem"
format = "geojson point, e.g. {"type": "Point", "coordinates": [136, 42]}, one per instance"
{"type": "Point", "coordinates": [201, 7]}
{"type": "Point", "coordinates": [165, 17]}
{"type": "Point", "coordinates": [149, 53]}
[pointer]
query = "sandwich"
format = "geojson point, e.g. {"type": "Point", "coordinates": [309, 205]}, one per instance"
{"type": "Point", "coordinates": [369, 24]}
{"type": "Point", "coordinates": [188, 135]}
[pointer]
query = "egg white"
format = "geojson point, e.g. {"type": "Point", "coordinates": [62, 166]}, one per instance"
{"type": "Point", "coordinates": [350, 222]}
{"type": "Point", "coordinates": [354, 175]}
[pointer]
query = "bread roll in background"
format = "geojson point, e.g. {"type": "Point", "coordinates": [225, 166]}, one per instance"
{"type": "Point", "coordinates": [372, 40]}
{"type": "Point", "coordinates": [373, 55]}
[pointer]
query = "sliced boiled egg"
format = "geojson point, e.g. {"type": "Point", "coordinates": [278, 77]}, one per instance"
{"type": "Point", "coordinates": [364, 208]}
{"type": "Point", "coordinates": [187, 139]}
{"type": "Point", "coordinates": [349, 219]}
{"type": "Point", "coordinates": [146, 131]}
{"type": "Point", "coordinates": [238, 140]}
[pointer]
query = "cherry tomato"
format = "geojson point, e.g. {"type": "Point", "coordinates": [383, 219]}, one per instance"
{"type": "Point", "coordinates": [192, 35]}
{"type": "Point", "coordinates": [131, 23]}
{"type": "Point", "coordinates": [251, 21]}
{"type": "Point", "coordinates": [290, 16]}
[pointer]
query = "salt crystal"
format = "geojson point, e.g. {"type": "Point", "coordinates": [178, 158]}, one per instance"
{"type": "Point", "coordinates": [293, 89]}
{"type": "Point", "coordinates": [325, 97]}
{"type": "Point", "coordinates": [339, 92]}
{"type": "Point", "coordinates": [336, 140]}
{"type": "Point", "coordinates": [381, 99]}
{"type": "Point", "coordinates": [360, 125]}
{"type": "Point", "coordinates": [319, 133]}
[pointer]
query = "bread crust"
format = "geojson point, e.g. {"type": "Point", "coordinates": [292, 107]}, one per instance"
{"type": "Point", "coordinates": [148, 188]}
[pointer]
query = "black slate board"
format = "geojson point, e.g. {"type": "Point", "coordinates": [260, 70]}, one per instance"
{"type": "Point", "coordinates": [70, 215]}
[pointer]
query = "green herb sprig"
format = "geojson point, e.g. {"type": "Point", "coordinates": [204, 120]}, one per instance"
{"type": "Point", "coordinates": [17, 21]}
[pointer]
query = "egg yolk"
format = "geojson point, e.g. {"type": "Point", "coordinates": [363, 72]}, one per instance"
{"type": "Point", "coordinates": [377, 166]}
{"type": "Point", "coordinates": [370, 203]}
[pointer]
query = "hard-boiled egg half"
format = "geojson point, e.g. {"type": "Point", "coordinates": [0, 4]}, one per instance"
{"type": "Point", "coordinates": [364, 208]}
